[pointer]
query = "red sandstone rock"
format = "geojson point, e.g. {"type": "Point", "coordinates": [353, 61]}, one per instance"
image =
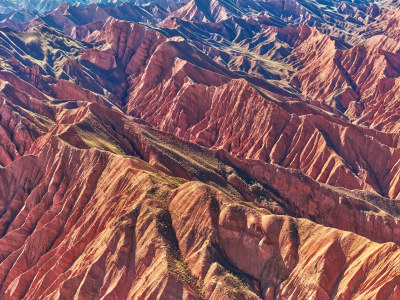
{"type": "Point", "coordinates": [82, 216]}
{"type": "Point", "coordinates": [224, 156]}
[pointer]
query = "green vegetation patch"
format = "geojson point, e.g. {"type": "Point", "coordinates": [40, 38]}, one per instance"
{"type": "Point", "coordinates": [233, 284]}
{"type": "Point", "coordinates": [176, 262]}
{"type": "Point", "coordinates": [95, 135]}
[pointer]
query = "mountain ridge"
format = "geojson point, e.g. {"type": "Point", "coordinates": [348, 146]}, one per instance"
{"type": "Point", "coordinates": [200, 150]}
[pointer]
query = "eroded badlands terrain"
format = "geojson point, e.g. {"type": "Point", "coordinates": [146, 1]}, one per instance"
{"type": "Point", "coordinates": [200, 150]}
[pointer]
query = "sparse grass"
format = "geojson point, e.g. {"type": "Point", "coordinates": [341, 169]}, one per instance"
{"type": "Point", "coordinates": [237, 286]}
{"type": "Point", "coordinates": [44, 121]}
{"type": "Point", "coordinates": [203, 165]}
{"type": "Point", "coordinates": [198, 162]}
{"type": "Point", "coordinates": [99, 141]}
{"type": "Point", "coordinates": [179, 268]}
{"type": "Point", "coordinates": [162, 178]}
{"type": "Point", "coordinates": [176, 263]}
{"type": "Point", "coordinates": [43, 46]}
{"type": "Point", "coordinates": [41, 120]}
{"type": "Point", "coordinates": [263, 197]}
{"type": "Point", "coordinates": [276, 68]}
{"type": "Point", "coordinates": [159, 194]}
{"type": "Point", "coordinates": [95, 135]}
{"type": "Point", "coordinates": [239, 208]}
{"type": "Point", "coordinates": [233, 285]}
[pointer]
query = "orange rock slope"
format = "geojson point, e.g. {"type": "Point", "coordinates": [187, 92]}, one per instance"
{"type": "Point", "coordinates": [227, 150]}
{"type": "Point", "coordinates": [104, 207]}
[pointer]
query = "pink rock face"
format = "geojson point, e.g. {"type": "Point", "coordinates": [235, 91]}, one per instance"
{"type": "Point", "coordinates": [191, 97]}
{"type": "Point", "coordinates": [118, 211]}
{"type": "Point", "coordinates": [201, 150]}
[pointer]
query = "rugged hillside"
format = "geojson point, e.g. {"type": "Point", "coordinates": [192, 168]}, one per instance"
{"type": "Point", "coordinates": [200, 150]}
{"type": "Point", "coordinates": [174, 86]}
{"type": "Point", "coordinates": [46, 5]}
{"type": "Point", "coordinates": [99, 178]}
